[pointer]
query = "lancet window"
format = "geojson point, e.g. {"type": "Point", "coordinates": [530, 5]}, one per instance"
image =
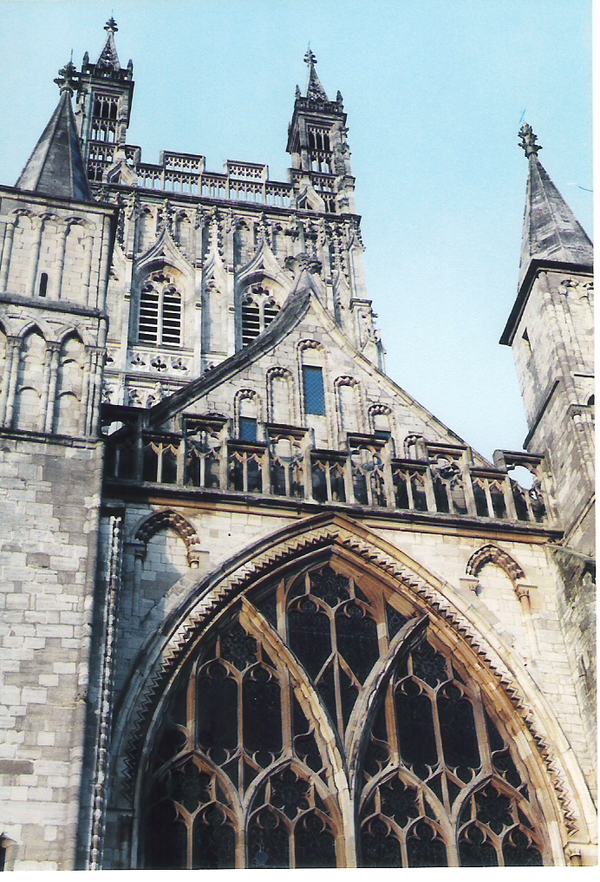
{"type": "Point", "coordinates": [160, 311]}
{"type": "Point", "coordinates": [317, 679]}
{"type": "Point", "coordinates": [259, 308]}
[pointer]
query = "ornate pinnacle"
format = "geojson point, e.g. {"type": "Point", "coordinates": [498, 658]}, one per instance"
{"type": "Point", "coordinates": [310, 58]}
{"type": "Point", "coordinates": [111, 25]}
{"type": "Point", "coordinates": [528, 139]}
{"type": "Point", "coordinates": [66, 79]}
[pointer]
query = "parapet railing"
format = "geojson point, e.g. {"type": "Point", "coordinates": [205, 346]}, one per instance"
{"type": "Point", "coordinates": [442, 479]}
{"type": "Point", "coordinates": [185, 173]}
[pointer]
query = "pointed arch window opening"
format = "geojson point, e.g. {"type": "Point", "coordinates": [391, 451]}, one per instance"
{"type": "Point", "coordinates": [259, 309]}
{"type": "Point", "coordinates": [243, 773]}
{"type": "Point", "coordinates": [160, 312]}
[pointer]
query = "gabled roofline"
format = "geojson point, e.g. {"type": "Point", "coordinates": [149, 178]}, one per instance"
{"type": "Point", "coordinates": [294, 309]}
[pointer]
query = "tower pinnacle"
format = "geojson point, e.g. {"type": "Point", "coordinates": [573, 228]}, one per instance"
{"type": "Point", "coordinates": [528, 139]}
{"type": "Point", "coordinates": [108, 58]}
{"type": "Point", "coordinates": [314, 89]}
{"type": "Point", "coordinates": [67, 79]}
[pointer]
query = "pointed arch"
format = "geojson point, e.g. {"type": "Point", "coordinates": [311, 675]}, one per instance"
{"type": "Point", "coordinates": [165, 519]}
{"type": "Point", "coordinates": [70, 381]}
{"type": "Point", "coordinates": [493, 554]}
{"type": "Point", "coordinates": [514, 703]}
{"type": "Point", "coordinates": [31, 380]}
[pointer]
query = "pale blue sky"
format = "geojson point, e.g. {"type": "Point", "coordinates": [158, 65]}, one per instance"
{"type": "Point", "coordinates": [434, 90]}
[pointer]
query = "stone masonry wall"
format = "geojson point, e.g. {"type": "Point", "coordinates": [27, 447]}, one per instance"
{"type": "Point", "coordinates": [48, 511]}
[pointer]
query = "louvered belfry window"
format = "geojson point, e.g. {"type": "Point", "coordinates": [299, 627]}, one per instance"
{"type": "Point", "coordinates": [313, 682]}
{"type": "Point", "coordinates": [160, 312]}
{"type": "Point", "coordinates": [259, 308]}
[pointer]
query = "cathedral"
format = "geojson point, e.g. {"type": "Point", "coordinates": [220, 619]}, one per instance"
{"type": "Point", "coordinates": [260, 608]}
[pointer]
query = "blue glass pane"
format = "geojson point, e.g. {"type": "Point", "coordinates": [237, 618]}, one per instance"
{"type": "Point", "coordinates": [247, 429]}
{"type": "Point", "coordinates": [314, 393]}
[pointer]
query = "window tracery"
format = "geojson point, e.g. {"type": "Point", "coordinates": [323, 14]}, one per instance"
{"type": "Point", "coordinates": [160, 311]}
{"type": "Point", "coordinates": [259, 308]}
{"type": "Point", "coordinates": [262, 722]}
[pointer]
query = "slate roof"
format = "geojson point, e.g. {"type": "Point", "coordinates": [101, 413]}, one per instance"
{"type": "Point", "coordinates": [550, 229]}
{"type": "Point", "coordinates": [56, 168]}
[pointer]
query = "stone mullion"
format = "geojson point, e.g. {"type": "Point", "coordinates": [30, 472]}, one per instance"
{"type": "Point", "coordinates": [59, 266]}
{"type": "Point", "coordinates": [9, 231]}
{"type": "Point", "coordinates": [50, 368]}
{"type": "Point", "coordinates": [451, 846]}
{"type": "Point", "coordinates": [241, 840]}
{"type": "Point", "coordinates": [34, 255]}
{"type": "Point", "coordinates": [51, 385]}
{"type": "Point", "coordinates": [7, 400]}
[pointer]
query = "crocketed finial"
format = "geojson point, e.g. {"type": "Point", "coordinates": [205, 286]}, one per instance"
{"type": "Point", "coordinates": [310, 57]}
{"type": "Point", "coordinates": [66, 79]}
{"type": "Point", "coordinates": [528, 139]}
{"type": "Point", "coordinates": [111, 25]}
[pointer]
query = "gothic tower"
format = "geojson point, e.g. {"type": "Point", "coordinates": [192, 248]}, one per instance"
{"type": "Point", "coordinates": [104, 106]}
{"type": "Point", "coordinates": [551, 332]}
{"type": "Point", "coordinates": [56, 251]}
{"type": "Point", "coordinates": [268, 610]}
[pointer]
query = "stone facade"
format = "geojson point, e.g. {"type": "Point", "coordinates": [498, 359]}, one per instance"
{"type": "Point", "coordinates": [261, 608]}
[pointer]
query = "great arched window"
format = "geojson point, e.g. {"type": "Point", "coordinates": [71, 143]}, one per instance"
{"type": "Point", "coordinates": [320, 725]}
{"type": "Point", "coordinates": [160, 311]}
{"type": "Point", "coordinates": [259, 308]}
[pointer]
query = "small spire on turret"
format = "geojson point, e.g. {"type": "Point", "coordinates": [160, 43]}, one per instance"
{"type": "Point", "coordinates": [108, 57]}
{"type": "Point", "coordinates": [314, 89]}
{"type": "Point", "coordinates": [528, 139]}
{"type": "Point", "coordinates": [67, 79]}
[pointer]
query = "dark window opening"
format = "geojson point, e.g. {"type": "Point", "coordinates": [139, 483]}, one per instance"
{"type": "Point", "coordinates": [314, 391]}
{"type": "Point", "coordinates": [43, 284]}
{"type": "Point", "coordinates": [248, 429]}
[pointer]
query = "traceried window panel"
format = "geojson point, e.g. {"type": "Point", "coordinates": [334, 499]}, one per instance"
{"type": "Point", "coordinates": [259, 307]}
{"type": "Point", "coordinates": [320, 704]}
{"type": "Point", "coordinates": [160, 311]}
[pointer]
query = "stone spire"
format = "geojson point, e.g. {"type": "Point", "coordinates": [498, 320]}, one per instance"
{"type": "Point", "coordinates": [551, 232]}
{"type": "Point", "coordinates": [314, 90]}
{"type": "Point", "coordinates": [55, 168]}
{"type": "Point", "coordinates": [108, 58]}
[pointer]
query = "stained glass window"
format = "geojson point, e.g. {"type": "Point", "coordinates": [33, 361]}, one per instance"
{"type": "Point", "coordinates": [262, 727]}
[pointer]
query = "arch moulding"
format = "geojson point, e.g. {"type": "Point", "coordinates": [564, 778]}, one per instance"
{"type": "Point", "coordinates": [524, 710]}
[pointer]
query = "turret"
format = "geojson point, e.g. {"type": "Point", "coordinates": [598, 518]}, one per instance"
{"type": "Point", "coordinates": [104, 105]}
{"type": "Point", "coordinates": [318, 147]}
{"type": "Point", "coordinates": [550, 330]}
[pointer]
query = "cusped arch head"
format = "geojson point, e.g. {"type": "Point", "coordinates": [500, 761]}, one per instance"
{"type": "Point", "coordinates": [493, 554]}
{"type": "Point", "coordinates": [515, 700]}
{"type": "Point", "coordinates": [169, 519]}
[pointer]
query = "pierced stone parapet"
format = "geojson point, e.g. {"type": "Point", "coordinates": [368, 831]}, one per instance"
{"type": "Point", "coordinates": [366, 474]}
